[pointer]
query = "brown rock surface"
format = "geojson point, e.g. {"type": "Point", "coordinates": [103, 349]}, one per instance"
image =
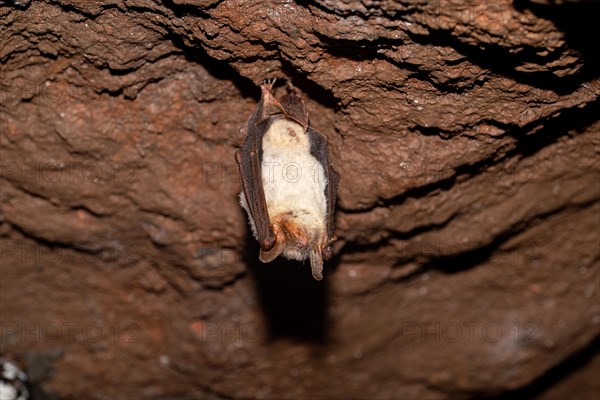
{"type": "Point", "coordinates": [468, 139]}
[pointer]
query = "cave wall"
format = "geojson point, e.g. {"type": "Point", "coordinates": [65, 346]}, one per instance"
{"type": "Point", "coordinates": [467, 137]}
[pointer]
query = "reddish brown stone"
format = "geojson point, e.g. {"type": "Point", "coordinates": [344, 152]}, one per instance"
{"type": "Point", "coordinates": [467, 137]}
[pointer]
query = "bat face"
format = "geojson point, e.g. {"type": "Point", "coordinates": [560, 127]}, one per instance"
{"type": "Point", "coordinates": [288, 185]}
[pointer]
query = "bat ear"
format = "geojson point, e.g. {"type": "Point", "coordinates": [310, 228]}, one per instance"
{"type": "Point", "coordinates": [316, 263]}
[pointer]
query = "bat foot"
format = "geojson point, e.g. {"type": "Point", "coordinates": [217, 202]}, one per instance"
{"type": "Point", "coordinates": [270, 82]}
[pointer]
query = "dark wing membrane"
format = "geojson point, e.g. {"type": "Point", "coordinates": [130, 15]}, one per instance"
{"type": "Point", "coordinates": [319, 150]}
{"type": "Point", "coordinates": [249, 160]}
{"type": "Point", "coordinates": [334, 181]}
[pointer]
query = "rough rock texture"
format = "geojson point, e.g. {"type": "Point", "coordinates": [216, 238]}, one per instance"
{"type": "Point", "coordinates": [468, 139]}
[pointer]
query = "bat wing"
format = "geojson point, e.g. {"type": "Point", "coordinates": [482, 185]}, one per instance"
{"type": "Point", "coordinates": [248, 160]}
{"type": "Point", "coordinates": [249, 163]}
{"type": "Point", "coordinates": [319, 150]}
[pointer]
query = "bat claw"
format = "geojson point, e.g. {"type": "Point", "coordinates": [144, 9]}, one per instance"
{"type": "Point", "coordinates": [270, 82]}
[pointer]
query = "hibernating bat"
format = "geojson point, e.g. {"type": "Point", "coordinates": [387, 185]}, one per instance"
{"type": "Point", "coordinates": [289, 188]}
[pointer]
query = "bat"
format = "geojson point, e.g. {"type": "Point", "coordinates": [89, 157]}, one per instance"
{"type": "Point", "coordinates": [289, 188]}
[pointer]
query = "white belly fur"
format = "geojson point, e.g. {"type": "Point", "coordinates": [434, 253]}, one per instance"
{"type": "Point", "coordinates": [293, 180]}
